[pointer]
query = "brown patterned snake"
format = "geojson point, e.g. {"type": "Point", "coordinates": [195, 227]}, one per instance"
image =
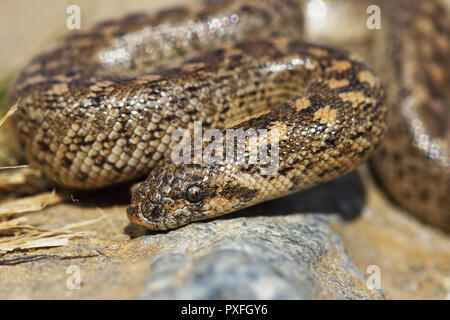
{"type": "Point", "coordinates": [100, 106]}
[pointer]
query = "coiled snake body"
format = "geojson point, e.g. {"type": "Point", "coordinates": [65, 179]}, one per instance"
{"type": "Point", "coordinates": [101, 106]}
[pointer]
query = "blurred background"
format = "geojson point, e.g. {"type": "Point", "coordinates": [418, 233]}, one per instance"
{"type": "Point", "coordinates": [25, 26]}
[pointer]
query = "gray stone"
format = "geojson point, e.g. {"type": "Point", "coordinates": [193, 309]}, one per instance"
{"type": "Point", "coordinates": [270, 251]}
{"type": "Point", "coordinates": [254, 256]}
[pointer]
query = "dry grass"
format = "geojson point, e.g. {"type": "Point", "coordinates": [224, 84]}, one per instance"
{"type": "Point", "coordinates": [10, 112]}
{"type": "Point", "coordinates": [16, 233]}
{"type": "Point", "coordinates": [32, 237]}
{"type": "Point", "coordinates": [16, 179]}
{"type": "Point", "coordinates": [29, 204]}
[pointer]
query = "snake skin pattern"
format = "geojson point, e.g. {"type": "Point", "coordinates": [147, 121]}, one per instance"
{"type": "Point", "coordinates": [100, 107]}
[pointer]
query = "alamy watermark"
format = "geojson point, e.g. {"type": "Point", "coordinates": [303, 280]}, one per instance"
{"type": "Point", "coordinates": [373, 282]}
{"type": "Point", "coordinates": [73, 282]}
{"type": "Point", "coordinates": [374, 20]}
{"type": "Point", "coordinates": [74, 19]}
{"type": "Point", "coordinates": [234, 146]}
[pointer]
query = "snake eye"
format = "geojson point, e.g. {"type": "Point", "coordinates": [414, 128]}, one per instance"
{"type": "Point", "coordinates": [194, 194]}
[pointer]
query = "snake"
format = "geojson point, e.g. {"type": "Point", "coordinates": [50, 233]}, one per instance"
{"type": "Point", "coordinates": [101, 106]}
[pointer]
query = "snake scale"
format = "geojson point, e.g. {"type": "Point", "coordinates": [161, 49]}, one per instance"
{"type": "Point", "coordinates": [101, 105]}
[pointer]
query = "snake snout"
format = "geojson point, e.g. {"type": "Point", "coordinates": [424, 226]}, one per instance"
{"type": "Point", "coordinates": [152, 211]}
{"type": "Point", "coordinates": [146, 214]}
{"type": "Point", "coordinates": [145, 208]}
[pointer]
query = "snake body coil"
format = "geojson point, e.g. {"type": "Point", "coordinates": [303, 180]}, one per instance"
{"type": "Point", "coordinates": [95, 110]}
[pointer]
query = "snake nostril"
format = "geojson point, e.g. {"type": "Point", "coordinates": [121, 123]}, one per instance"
{"type": "Point", "coordinates": [151, 211]}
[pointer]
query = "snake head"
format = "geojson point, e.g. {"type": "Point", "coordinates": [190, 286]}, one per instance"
{"type": "Point", "coordinates": [172, 196]}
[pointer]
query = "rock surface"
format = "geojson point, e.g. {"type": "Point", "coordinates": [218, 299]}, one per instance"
{"type": "Point", "coordinates": [265, 252]}
{"type": "Point", "coordinates": [291, 257]}
{"type": "Point", "coordinates": [290, 248]}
